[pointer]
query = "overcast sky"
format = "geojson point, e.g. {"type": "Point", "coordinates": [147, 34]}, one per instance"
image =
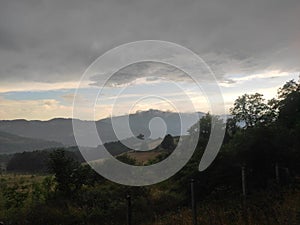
{"type": "Point", "coordinates": [45, 46]}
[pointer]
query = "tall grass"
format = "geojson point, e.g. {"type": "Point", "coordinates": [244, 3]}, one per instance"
{"type": "Point", "coordinates": [263, 208]}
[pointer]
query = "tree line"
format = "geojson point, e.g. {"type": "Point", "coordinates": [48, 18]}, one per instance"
{"type": "Point", "coordinates": [260, 135]}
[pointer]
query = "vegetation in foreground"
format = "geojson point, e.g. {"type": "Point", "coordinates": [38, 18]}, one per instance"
{"type": "Point", "coordinates": [268, 145]}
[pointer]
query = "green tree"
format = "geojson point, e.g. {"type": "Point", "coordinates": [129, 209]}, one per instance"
{"type": "Point", "coordinates": [288, 104]}
{"type": "Point", "coordinates": [141, 137]}
{"type": "Point", "coordinates": [252, 110]}
{"type": "Point", "coordinates": [68, 172]}
{"type": "Point", "coordinates": [288, 88]}
{"type": "Point", "coordinates": [285, 95]}
{"type": "Point", "coordinates": [231, 129]}
{"type": "Point", "coordinates": [168, 142]}
{"type": "Point", "coordinates": [204, 124]}
{"type": "Point", "coordinates": [288, 123]}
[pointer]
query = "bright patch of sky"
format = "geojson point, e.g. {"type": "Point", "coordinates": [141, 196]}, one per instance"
{"type": "Point", "coordinates": [114, 100]}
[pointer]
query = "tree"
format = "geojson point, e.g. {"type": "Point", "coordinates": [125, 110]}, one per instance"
{"type": "Point", "coordinates": [141, 137]}
{"type": "Point", "coordinates": [286, 94]}
{"type": "Point", "coordinates": [289, 110]}
{"type": "Point", "coordinates": [231, 129]}
{"type": "Point", "coordinates": [288, 88]}
{"type": "Point", "coordinates": [252, 110]}
{"type": "Point", "coordinates": [67, 172]}
{"type": "Point", "coordinates": [168, 142]}
{"type": "Point", "coordinates": [205, 124]}
{"type": "Point", "coordinates": [288, 123]}
{"type": "Point", "coordinates": [29, 162]}
{"type": "Point", "coordinates": [288, 104]}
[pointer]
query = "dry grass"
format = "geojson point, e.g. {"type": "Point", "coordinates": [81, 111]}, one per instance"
{"type": "Point", "coordinates": [284, 211]}
{"type": "Point", "coordinates": [143, 157]}
{"type": "Point", "coordinates": [24, 179]}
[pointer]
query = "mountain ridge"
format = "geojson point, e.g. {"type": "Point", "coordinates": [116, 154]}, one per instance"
{"type": "Point", "coordinates": [61, 130]}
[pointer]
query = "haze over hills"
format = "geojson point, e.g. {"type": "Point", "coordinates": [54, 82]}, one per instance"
{"type": "Point", "coordinates": [61, 131]}
{"type": "Point", "coordinates": [10, 143]}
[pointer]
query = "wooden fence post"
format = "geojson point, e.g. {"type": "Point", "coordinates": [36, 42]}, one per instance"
{"type": "Point", "coordinates": [277, 173]}
{"type": "Point", "coordinates": [193, 199]}
{"type": "Point", "coordinates": [244, 193]}
{"type": "Point", "coordinates": [128, 197]}
{"type": "Point", "coordinates": [244, 189]}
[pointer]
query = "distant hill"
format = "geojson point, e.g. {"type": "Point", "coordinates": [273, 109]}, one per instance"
{"type": "Point", "coordinates": [61, 130]}
{"type": "Point", "coordinates": [10, 143]}
{"type": "Point", "coordinates": [37, 161]}
{"type": "Point", "coordinates": [58, 130]}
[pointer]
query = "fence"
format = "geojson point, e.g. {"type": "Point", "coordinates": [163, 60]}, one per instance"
{"type": "Point", "coordinates": [278, 176]}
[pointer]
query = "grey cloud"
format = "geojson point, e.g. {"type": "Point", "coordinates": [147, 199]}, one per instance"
{"type": "Point", "coordinates": [53, 41]}
{"type": "Point", "coordinates": [151, 70]}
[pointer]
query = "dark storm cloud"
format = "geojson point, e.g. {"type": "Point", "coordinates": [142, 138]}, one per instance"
{"type": "Point", "coordinates": [54, 41]}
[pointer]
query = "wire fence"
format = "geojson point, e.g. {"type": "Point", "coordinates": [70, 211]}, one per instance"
{"type": "Point", "coordinates": [281, 177]}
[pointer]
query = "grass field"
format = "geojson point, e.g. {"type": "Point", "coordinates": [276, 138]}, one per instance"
{"type": "Point", "coordinates": [143, 157]}
{"type": "Point", "coordinates": [258, 211]}
{"type": "Point", "coordinates": [281, 207]}
{"type": "Point", "coordinates": [24, 179]}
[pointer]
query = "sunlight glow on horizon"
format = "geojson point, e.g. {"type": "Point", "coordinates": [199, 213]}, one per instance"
{"type": "Point", "coordinates": [58, 99]}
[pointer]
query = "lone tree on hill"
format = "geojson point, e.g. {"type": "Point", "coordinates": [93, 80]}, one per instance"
{"type": "Point", "coordinates": [168, 142]}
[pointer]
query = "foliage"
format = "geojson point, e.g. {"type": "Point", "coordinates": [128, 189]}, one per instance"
{"type": "Point", "coordinates": [37, 161]}
{"type": "Point", "coordinates": [252, 110]}
{"type": "Point", "coordinates": [75, 194]}
{"type": "Point", "coordinates": [29, 161]}
{"type": "Point", "coordinates": [168, 143]}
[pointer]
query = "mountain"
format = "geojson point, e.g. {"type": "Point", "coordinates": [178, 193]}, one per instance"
{"type": "Point", "coordinates": [58, 130]}
{"type": "Point", "coordinates": [61, 130]}
{"type": "Point", "coordinates": [10, 143]}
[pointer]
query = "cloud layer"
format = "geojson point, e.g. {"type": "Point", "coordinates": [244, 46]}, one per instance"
{"type": "Point", "coordinates": [45, 47]}
{"type": "Point", "coordinates": [54, 41]}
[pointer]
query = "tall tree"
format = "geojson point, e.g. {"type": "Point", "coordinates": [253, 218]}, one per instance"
{"type": "Point", "coordinates": [252, 110]}
{"type": "Point", "coordinates": [288, 104]}
{"type": "Point", "coordinates": [68, 173]}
